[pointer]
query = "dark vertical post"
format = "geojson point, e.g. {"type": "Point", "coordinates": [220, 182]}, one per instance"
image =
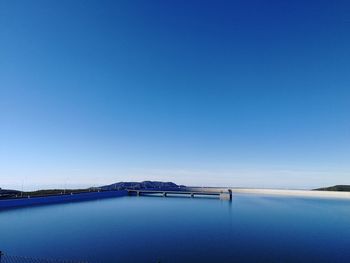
{"type": "Point", "coordinates": [230, 193]}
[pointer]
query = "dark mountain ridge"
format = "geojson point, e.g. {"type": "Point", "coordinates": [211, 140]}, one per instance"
{"type": "Point", "coordinates": [339, 188]}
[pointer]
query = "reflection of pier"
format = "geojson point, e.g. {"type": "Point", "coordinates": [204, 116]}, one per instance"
{"type": "Point", "coordinates": [225, 195]}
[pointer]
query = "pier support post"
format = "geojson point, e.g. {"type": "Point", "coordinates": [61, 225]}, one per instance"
{"type": "Point", "coordinates": [164, 194]}
{"type": "Point", "coordinates": [226, 195]}
{"type": "Point", "coordinates": [192, 194]}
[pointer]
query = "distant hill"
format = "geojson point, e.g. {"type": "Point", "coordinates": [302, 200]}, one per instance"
{"type": "Point", "coordinates": [339, 188]}
{"type": "Point", "coordinates": [143, 185]}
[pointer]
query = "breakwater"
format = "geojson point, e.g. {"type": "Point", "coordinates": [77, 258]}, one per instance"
{"type": "Point", "coordinates": [19, 202]}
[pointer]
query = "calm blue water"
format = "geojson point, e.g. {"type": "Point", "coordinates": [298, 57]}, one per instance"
{"type": "Point", "coordinates": [151, 229]}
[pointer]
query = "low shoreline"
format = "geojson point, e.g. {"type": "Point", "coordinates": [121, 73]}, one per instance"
{"type": "Point", "coordinates": [284, 192]}
{"type": "Point", "coordinates": [20, 202]}
{"type": "Point", "coordinates": [300, 193]}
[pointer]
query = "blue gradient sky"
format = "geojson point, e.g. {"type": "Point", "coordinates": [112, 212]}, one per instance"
{"type": "Point", "coordinates": [242, 93]}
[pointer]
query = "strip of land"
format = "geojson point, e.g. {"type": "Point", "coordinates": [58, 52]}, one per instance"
{"type": "Point", "coordinates": [305, 193]}
{"type": "Point", "coordinates": [296, 193]}
{"type": "Point", "coordinates": [337, 191]}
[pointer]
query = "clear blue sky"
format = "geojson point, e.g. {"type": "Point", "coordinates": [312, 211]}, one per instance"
{"type": "Point", "coordinates": [242, 93]}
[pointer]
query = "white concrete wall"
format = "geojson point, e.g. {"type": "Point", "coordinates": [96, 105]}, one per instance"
{"type": "Point", "coordinates": [301, 193]}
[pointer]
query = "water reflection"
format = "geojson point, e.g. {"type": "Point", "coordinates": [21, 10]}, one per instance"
{"type": "Point", "coordinates": [182, 229]}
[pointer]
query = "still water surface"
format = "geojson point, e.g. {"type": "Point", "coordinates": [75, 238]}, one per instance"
{"type": "Point", "coordinates": [251, 228]}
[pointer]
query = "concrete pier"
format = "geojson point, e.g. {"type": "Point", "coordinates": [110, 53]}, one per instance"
{"type": "Point", "coordinates": [226, 195]}
{"type": "Point", "coordinates": [223, 195]}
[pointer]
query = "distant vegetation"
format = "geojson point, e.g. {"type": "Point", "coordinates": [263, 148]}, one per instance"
{"type": "Point", "coordinates": [57, 192]}
{"type": "Point", "coordinates": [339, 188]}
{"type": "Point", "coordinates": [8, 193]}
{"type": "Point", "coordinates": [5, 194]}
